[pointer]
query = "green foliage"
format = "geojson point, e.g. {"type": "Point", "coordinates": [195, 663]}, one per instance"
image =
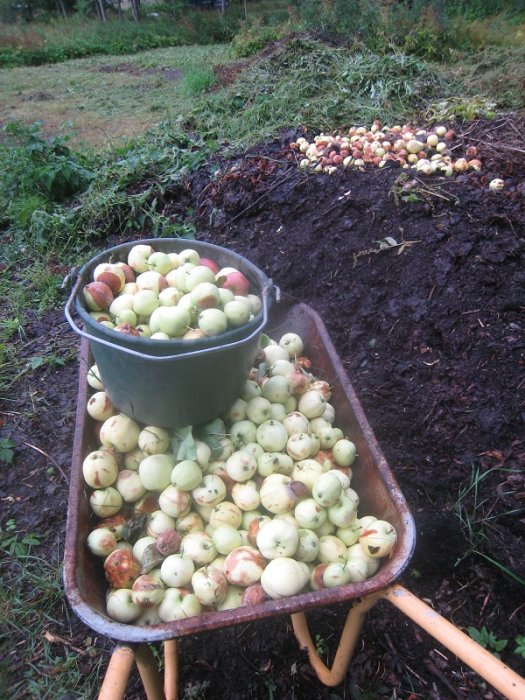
{"type": "Point", "coordinates": [197, 80]}
{"type": "Point", "coordinates": [6, 450]}
{"type": "Point", "coordinates": [520, 646]}
{"type": "Point", "coordinates": [37, 173]}
{"type": "Point", "coordinates": [487, 640]}
{"type": "Point", "coordinates": [252, 38]}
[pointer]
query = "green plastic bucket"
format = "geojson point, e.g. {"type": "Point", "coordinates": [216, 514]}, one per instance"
{"type": "Point", "coordinates": [170, 383]}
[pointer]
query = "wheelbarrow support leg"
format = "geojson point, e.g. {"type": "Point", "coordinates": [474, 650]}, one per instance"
{"type": "Point", "coordinates": [345, 651]}
{"type": "Point", "coordinates": [119, 670]}
{"type": "Point", "coordinates": [149, 672]}
{"type": "Point", "coordinates": [117, 674]}
{"type": "Point", "coordinates": [171, 669]}
{"type": "Point", "coordinates": [494, 671]}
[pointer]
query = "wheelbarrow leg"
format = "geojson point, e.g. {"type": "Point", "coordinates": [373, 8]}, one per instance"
{"type": "Point", "coordinates": [488, 666]}
{"type": "Point", "coordinates": [119, 670]}
{"type": "Point", "coordinates": [347, 643]}
{"type": "Point", "coordinates": [149, 673]}
{"type": "Point", "coordinates": [117, 674]}
{"type": "Point", "coordinates": [171, 669]}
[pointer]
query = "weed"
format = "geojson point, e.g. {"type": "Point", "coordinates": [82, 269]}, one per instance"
{"type": "Point", "coordinates": [487, 640]}
{"type": "Point", "coordinates": [6, 450]}
{"type": "Point", "coordinates": [476, 515]}
{"type": "Point", "coordinates": [198, 80]}
{"type": "Point", "coordinates": [520, 646]}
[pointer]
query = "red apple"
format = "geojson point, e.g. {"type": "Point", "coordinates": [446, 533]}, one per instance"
{"type": "Point", "coordinates": [237, 283]}
{"type": "Point", "coordinates": [210, 263]}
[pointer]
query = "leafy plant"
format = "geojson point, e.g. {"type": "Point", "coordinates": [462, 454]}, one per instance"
{"type": "Point", "coordinates": [487, 639]}
{"type": "Point", "coordinates": [6, 450]}
{"type": "Point", "coordinates": [520, 646]}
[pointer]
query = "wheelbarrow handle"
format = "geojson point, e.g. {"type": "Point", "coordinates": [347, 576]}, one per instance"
{"type": "Point", "coordinates": [488, 666]}
{"type": "Point", "coordinates": [266, 292]}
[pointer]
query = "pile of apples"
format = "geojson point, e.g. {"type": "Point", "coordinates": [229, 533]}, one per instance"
{"type": "Point", "coordinates": [254, 505]}
{"type": "Point", "coordinates": [162, 295]}
{"type": "Point", "coordinates": [426, 151]}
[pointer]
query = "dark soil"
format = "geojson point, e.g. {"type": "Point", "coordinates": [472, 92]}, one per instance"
{"type": "Point", "coordinates": [431, 332]}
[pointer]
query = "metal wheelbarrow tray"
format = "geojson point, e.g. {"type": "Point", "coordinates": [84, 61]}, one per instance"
{"type": "Point", "coordinates": [85, 585]}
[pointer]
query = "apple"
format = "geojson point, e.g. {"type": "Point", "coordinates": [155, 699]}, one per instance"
{"type": "Point", "coordinates": [97, 296]}
{"type": "Point", "coordinates": [284, 577]}
{"type": "Point", "coordinates": [123, 301]}
{"type": "Point", "coordinates": [170, 296]}
{"type": "Point", "coordinates": [160, 262]}
{"type": "Point", "coordinates": [153, 440]}
{"type": "Point", "coordinates": [244, 566]}
{"type": "Point", "coordinates": [258, 410]}
{"type": "Point", "coordinates": [379, 539]}
{"type": "Point", "coordinates": [189, 255]}
{"type": "Point", "coordinates": [274, 462]}
{"type": "Point", "coordinates": [327, 489]}
{"type": "Point", "coordinates": [211, 264]}
{"type": "Point", "coordinates": [226, 538]}
{"type": "Point", "coordinates": [309, 514]}
{"type": "Point", "coordinates": [129, 274]}
{"type": "Point", "coordinates": [101, 542]}
{"type": "Point", "coordinates": [171, 320]}
{"type": "Point", "coordinates": [199, 547]}
{"type": "Point", "coordinates": [225, 513]}
{"type": "Point", "coordinates": [243, 432]}
{"type": "Point", "coordinates": [178, 276]}
{"type": "Point", "coordinates": [292, 343]}
{"type": "Point", "coordinates": [344, 452]}
{"type": "Point", "coordinates": [120, 606]}
{"type": "Point", "coordinates": [312, 403]}
{"type": "Point", "coordinates": [158, 522]}
{"type": "Point", "coordinates": [211, 491]}
{"type": "Point", "coordinates": [200, 274]}
{"type": "Point", "coordinates": [210, 585]}
{"type": "Point", "coordinates": [212, 321]}
{"type": "Point", "coordinates": [245, 495]}
{"type": "Point", "coordinates": [100, 407]}
{"type": "Point", "coordinates": [121, 569]}
{"type": "Point", "coordinates": [343, 512]}
{"type": "Point", "coordinates": [300, 446]}
{"type": "Point", "coordinates": [296, 422]}
{"type": "Point", "coordinates": [147, 591]}
{"type": "Point", "coordinates": [155, 471]}
{"type": "Point", "coordinates": [236, 282]}
{"type": "Point", "coordinates": [241, 465]}
{"type": "Point", "coordinates": [272, 436]}
{"type": "Point", "coordinates": [237, 313]}
{"type": "Point", "coordinates": [331, 548]}
{"type": "Point", "coordinates": [129, 485]}
{"type": "Point", "coordinates": [308, 545]}
{"type": "Point", "coordinates": [140, 545]}
{"type": "Point", "coordinates": [279, 538]}
{"type": "Point", "coordinates": [277, 389]}
{"type": "Point", "coordinates": [151, 280]}
{"type": "Point", "coordinates": [99, 469]}
{"type": "Point", "coordinates": [112, 275]}
{"type": "Point", "coordinates": [179, 604]}
{"type": "Point", "coordinates": [145, 301]}
{"type": "Point", "coordinates": [186, 475]}
{"type": "Point", "coordinates": [176, 570]}
{"type": "Point", "coordinates": [277, 494]}
{"type": "Point", "coordinates": [205, 295]}
{"type": "Point", "coordinates": [105, 501]}
{"type": "Point", "coordinates": [273, 352]}
{"type": "Point", "coordinates": [138, 257]}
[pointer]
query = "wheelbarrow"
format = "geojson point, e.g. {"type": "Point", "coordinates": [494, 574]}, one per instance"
{"type": "Point", "coordinates": [85, 585]}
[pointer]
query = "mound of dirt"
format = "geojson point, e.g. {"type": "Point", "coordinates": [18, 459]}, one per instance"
{"type": "Point", "coordinates": [421, 285]}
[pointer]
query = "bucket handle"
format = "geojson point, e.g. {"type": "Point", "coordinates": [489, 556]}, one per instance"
{"type": "Point", "coordinates": [266, 291]}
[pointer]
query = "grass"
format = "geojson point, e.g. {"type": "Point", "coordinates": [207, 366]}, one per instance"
{"type": "Point", "coordinates": [106, 102]}
{"type": "Point", "coordinates": [478, 518]}
{"type": "Point", "coordinates": [38, 660]}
